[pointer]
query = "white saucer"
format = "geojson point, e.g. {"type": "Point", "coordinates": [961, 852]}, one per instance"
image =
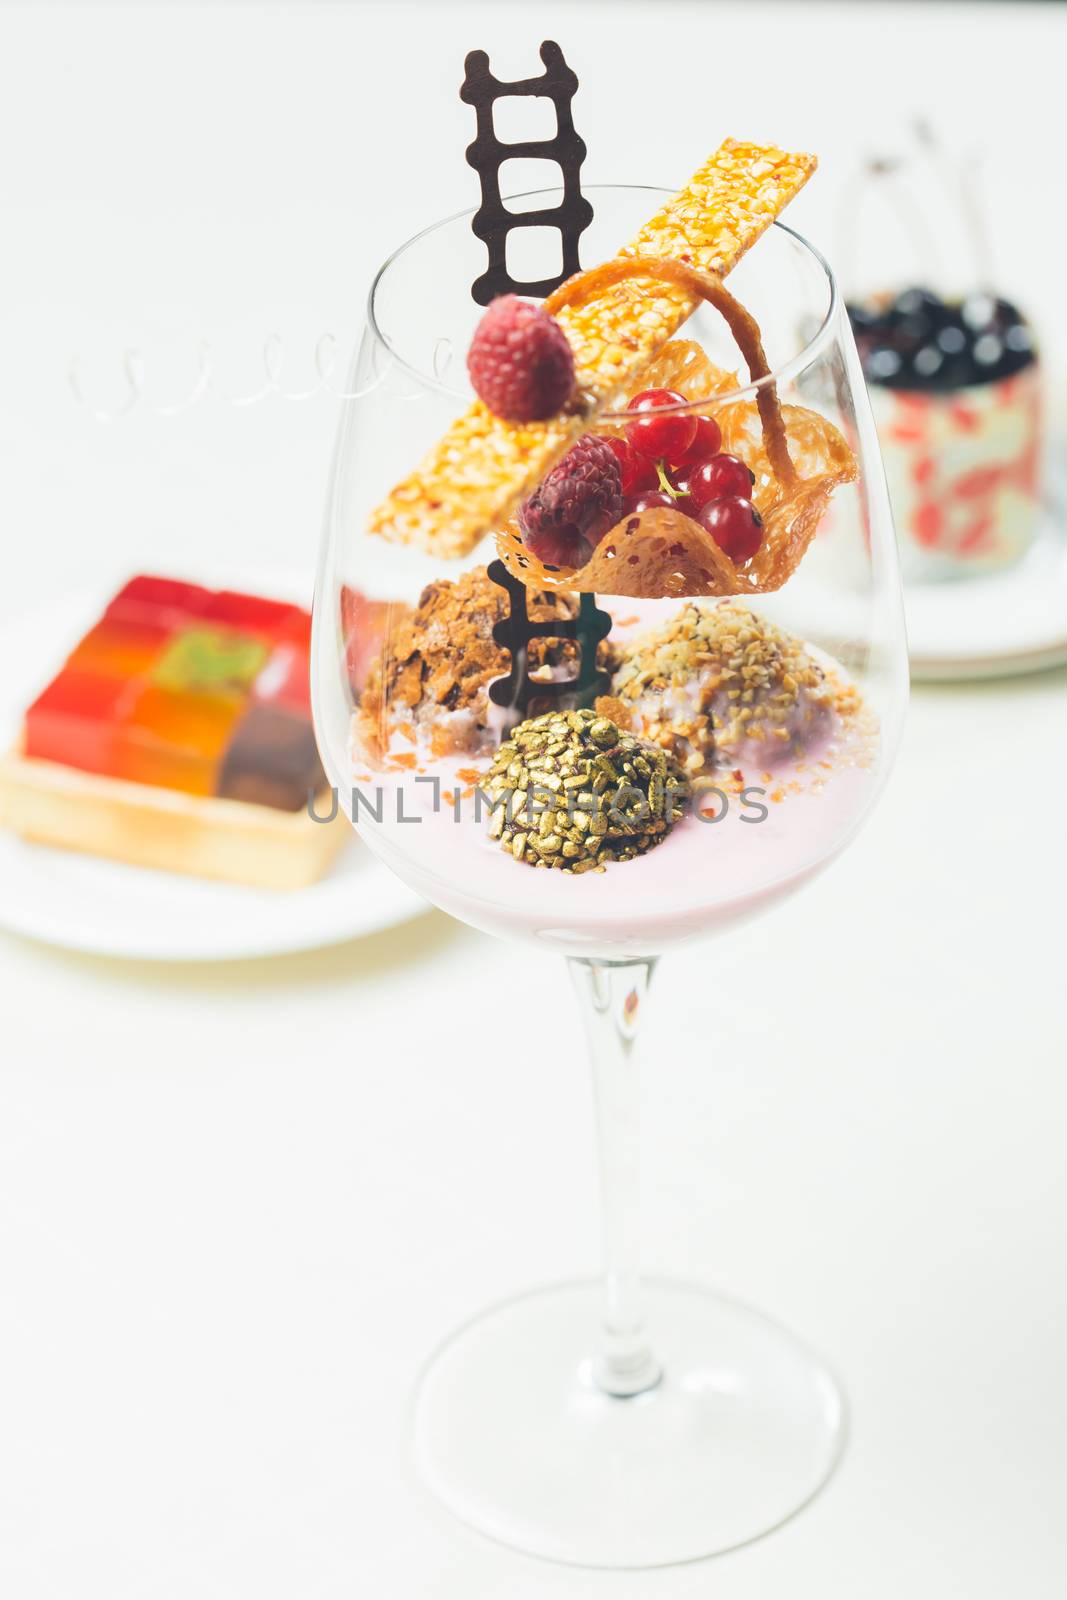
{"type": "Point", "coordinates": [85, 903]}
{"type": "Point", "coordinates": [989, 627]}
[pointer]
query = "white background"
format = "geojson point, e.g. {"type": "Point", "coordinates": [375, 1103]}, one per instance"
{"type": "Point", "coordinates": [239, 1205]}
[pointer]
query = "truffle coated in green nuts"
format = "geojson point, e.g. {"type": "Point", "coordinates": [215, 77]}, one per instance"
{"type": "Point", "coordinates": [573, 790]}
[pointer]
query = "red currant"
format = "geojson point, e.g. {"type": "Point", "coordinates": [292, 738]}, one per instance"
{"type": "Point", "coordinates": [657, 434]}
{"type": "Point", "coordinates": [637, 471]}
{"type": "Point", "coordinates": [720, 475]}
{"type": "Point", "coordinates": [735, 525]}
{"type": "Point", "coordinates": [653, 500]}
{"type": "Point", "coordinates": [707, 440]}
{"type": "Point", "coordinates": [679, 480]}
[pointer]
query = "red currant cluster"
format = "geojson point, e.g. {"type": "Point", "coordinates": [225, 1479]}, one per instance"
{"type": "Point", "coordinates": [673, 459]}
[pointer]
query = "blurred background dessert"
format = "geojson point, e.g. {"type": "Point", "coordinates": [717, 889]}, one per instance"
{"type": "Point", "coordinates": [955, 387]}
{"type": "Point", "coordinates": [951, 366]}
{"type": "Point", "coordinates": [177, 734]}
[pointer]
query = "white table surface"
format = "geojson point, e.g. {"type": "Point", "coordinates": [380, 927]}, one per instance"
{"type": "Point", "coordinates": [239, 1205]}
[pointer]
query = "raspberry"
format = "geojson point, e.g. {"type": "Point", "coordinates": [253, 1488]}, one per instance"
{"type": "Point", "coordinates": [519, 361]}
{"type": "Point", "coordinates": [572, 509]}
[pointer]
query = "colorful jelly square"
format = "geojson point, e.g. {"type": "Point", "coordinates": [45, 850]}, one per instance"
{"type": "Point", "coordinates": [285, 681]}
{"type": "Point", "coordinates": [249, 613]}
{"type": "Point", "coordinates": [210, 661]}
{"type": "Point", "coordinates": [120, 648]}
{"type": "Point", "coordinates": [176, 739]}
{"type": "Point", "coordinates": [365, 625]}
{"type": "Point", "coordinates": [166, 601]}
{"type": "Point", "coordinates": [298, 631]}
{"type": "Point", "coordinates": [75, 720]}
{"type": "Point", "coordinates": [272, 760]}
{"type": "Point", "coordinates": [161, 690]}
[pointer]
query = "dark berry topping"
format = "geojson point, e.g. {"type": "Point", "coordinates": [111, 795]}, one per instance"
{"type": "Point", "coordinates": [919, 341]}
{"type": "Point", "coordinates": [919, 307]}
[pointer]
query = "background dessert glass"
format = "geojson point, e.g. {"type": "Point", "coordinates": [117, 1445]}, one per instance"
{"type": "Point", "coordinates": [953, 367]}
{"type": "Point", "coordinates": [617, 1447]}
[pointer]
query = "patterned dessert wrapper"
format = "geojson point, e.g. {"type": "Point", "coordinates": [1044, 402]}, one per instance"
{"type": "Point", "coordinates": [964, 473]}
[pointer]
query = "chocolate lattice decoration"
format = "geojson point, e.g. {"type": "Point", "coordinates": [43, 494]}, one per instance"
{"type": "Point", "coordinates": [518, 691]}
{"type": "Point", "coordinates": [493, 222]}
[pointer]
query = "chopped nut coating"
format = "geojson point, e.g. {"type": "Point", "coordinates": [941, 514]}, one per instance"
{"type": "Point", "coordinates": [629, 805]}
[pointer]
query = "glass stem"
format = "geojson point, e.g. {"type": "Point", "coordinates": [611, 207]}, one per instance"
{"type": "Point", "coordinates": [612, 996]}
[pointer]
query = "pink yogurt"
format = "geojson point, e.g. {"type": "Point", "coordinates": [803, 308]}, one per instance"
{"type": "Point", "coordinates": [704, 877]}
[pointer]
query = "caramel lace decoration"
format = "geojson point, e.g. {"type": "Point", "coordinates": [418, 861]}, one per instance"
{"type": "Point", "coordinates": [493, 222]}
{"type": "Point", "coordinates": [797, 456]}
{"type": "Point", "coordinates": [741, 323]}
{"type": "Point", "coordinates": [518, 692]}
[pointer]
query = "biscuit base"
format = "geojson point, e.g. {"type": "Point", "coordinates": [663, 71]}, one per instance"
{"type": "Point", "coordinates": [231, 841]}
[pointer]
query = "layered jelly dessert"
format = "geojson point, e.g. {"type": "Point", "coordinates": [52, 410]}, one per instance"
{"type": "Point", "coordinates": [186, 688]}
{"type": "Point", "coordinates": [955, 387]}
{"type": "Point", "coordinates": [178, 735]}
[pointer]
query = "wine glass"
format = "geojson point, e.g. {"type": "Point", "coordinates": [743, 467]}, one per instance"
{"type": "Point", "coordinates": [617, 1424]}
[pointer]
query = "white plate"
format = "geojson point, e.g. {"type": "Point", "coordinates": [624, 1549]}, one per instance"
{"type": "Point", "coordinates": [85, 903]}
{"type": "Point", "coordinates": [1003, 624]}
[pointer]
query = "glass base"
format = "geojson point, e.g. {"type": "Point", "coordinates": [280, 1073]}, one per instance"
{"type": "Point", "coordinates": [515, 1437]}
